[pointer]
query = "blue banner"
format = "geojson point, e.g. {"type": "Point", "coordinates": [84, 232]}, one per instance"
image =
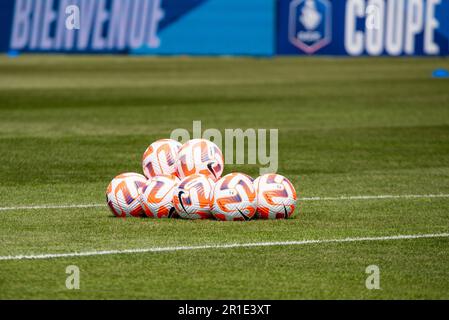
{"type": "Point", "coordinates": [138, 26]}
{"type": "Point", "coordinates": [363, 27]}
{"type": "Point", "coordinates": [227, 27]}
{"type": "Point", "coordinates": [220, 27]}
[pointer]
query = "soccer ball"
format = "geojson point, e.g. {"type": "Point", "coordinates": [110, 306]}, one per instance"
{"type": "Point", "coordinates": [193, 196]}
{"type": "Point", "coordinates": [160, 158]}
{"type": "Point", "coordinates": [234, 198]}
{"type": "Point", "coordinates": [200, 156]}
{"type": "Point", "coordinates": [157, 196]}
{"type": "Point", "coordinates": [123, 195]}
{"type": "Point", "coordinates": [276, 197]}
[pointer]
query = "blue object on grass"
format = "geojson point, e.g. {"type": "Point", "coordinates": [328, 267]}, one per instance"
{"type": "Point", "coordinates": [13, 53]}
{"type": "Point", "coordinates": [440, 73]}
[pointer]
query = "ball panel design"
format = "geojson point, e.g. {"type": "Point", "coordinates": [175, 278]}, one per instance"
{"type": "Point", "coordinates": [276, 197]}
{"type": "Point", "coordinates": [234, 198]}
{"type": "Point", "coordinates": [193, 196]}
{"type": "Point", "coordinates": [160, 158]}
{"type": "Point", "coordinates": [123, 195]}
{"type": "Point", "coordinates": [157, 198]}
{"type": "Point", "coordinates": [200, 156]}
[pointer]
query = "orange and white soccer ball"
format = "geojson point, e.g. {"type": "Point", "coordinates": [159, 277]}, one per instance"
{"type": "Point", "coordinates": [276, 197]}
{"type": "Point", "coordinates": [157, 197]}
{"type": "Point", "coordinates": [123, 195]}
{"type": "Point", "coordinates": [234, 198]}
{"type": "Point", "coordinates": [200, 156]}
{"type": "Point", "coordinates": [193, 196]}
{"type": "Point", "coordinates": [160, 158]}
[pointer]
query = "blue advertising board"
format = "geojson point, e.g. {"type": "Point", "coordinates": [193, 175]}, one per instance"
{"type": "Point", "coordinates": [227, 27]}
{"type": "Point", "coordinates": [363, 27]}
{"type": "Point", "coordinates": [138, 26]}
{"type": "Point", "coordinates": [220, 27]}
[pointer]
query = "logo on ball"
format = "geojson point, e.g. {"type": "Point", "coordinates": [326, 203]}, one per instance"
{"type": "Point", "coordinates": [234, 198]}
{"type": "Point", "coordinates": [158, 195]}
{"type": "Point", "coordinates": [200, 156]}
{"type": "Point", "coordinates": [193, 196]}
{"type": "Point", "coordinates": [276, 197]}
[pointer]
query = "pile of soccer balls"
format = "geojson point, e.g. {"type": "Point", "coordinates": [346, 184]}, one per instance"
{"type": "Point", "coordinates": [185, 181]}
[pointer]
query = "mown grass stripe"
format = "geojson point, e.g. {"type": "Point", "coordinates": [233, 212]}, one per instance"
{"type": "Point", "coordinates": [219, 246]}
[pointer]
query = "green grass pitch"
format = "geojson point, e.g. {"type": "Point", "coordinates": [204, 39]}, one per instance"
{"type": "Point", "coordinates": [347, 127]}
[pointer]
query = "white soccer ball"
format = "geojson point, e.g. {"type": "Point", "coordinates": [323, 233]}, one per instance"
{"type": "Point", "coordinates": [200, 156]}
{"type": "Point", "coordinates": [160, 158]}
{"type": "Point", "coordinates": [193, 196]}
{"type": "Point", "coordinates": [276, 197]}
{"type": "Point", "coordinates": [234, 198]}
{"type": "Point", "coordinates": [123, 195]}
{"type": "Point", "coordinates": [157, 197]}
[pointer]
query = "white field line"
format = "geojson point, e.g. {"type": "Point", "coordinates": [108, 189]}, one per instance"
{"type": "Point", "coordinates": [373, 197]}
{"type": "Point", "coordinates": [49, 206]}
{"type": "Point", "coordinates": [218, 246]}
{"type": "Point", "coordinates": [379, 197]}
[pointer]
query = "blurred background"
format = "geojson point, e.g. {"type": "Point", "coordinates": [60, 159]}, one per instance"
{"type": "Point", "coordinates": [226, 27]}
